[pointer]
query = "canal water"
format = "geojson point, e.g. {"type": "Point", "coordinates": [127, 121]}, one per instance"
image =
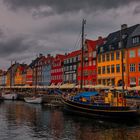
{"type": "Point", "coordinates": [22, 121]}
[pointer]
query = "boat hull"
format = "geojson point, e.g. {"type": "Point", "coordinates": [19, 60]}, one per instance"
{"type": "Point", "coordinates": [98, 111]}
{"type": "Point", "coordinates": [32, 100]}
{"type": "Point", "coordinates": [10, 96]}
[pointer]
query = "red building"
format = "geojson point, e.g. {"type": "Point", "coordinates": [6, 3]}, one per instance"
{"type": "Point", "coordinates": [89, 62]}
{"type": "Point", "coordinates": [29, 76]}
{"type": "Point", "coordinates": [57, 70]}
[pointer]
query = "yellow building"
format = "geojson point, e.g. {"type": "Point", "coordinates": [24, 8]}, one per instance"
{"type": "Point", "coordinates": [110, 55]}
{"type": "Point", "coordinates": [20, 75]}
{"type": "Point", "coordinates": [110, 68]}
{"type": "Point", "coordinates": [8, 79]}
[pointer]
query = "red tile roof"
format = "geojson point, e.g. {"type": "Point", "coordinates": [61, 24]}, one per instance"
{"type": "Point", "coordinates": [73, 54]}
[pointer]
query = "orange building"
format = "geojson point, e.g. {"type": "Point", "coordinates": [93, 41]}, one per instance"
{"type": "Point", "coordinates": [134, 64]}
{"type": "Point", "coordinates": [109, 58]}
{"type": "Point", "coordinates": [20, 75]}
{"type": "Point", "coordinates": [10, 74]}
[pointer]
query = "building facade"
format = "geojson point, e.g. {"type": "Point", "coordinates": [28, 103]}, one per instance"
{"type": "Point", "coordinates": [71, 63]}
{"type": "Point", "coordinates": [29, 76]}
{"type": "Point", "coordinates": [10, 75]}
{"type": "Point", "coordinates": [110, 58]}
{"type": "Point", "coordinates": [133, 58]}
{"type": "Point", "coordinates": [89, 62]}
{"type": "Point", "coordinates": [2, 78]}
{"type": "Point", "coordinates": [20, 75]}
{"type": "Point", "coordinates": [57, 70]}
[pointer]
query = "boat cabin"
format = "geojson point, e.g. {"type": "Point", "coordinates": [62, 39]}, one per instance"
{"type": "Point", "coordinates": [115, 98]}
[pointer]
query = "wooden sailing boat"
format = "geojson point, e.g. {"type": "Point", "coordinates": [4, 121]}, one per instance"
{"type": "Point", "coordinates": [106, 105]}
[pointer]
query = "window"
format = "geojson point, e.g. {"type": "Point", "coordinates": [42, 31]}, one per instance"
{"type": "Point", "coordinates": [103, 70]}
{"type": "Point", "coordinates": [132, 67]}
{"type": "Point", "coordinates": [133, 81]}
{"type": "Point", "coordinates": [103, 57]}
{"type": "Point", "coordinates": [107, 57]}
{"type": "Point", "coordinates": [108, 69]}
{"type": "Point", "coordinates": [138, 52]}
{"type": "Point", "coordinates": [90, 54]}
{"type": "Point", "coordinates": [71, 67]}
{"type": "Point", "coordinates": [112, 68]}
{"type": "Point", "coordinates": [118, 68]}
{"type": "Point", "coordinates": [94, 54]}
{"type": "Point", "coordinates": [79, 57]}
{"type": "Point", "coordinates": [74, 67]}
{"type": "Point", "coordinates": [74, 76]}
{"type": "Point", "coordinates": [119, 44]}
{"type": "Point", "coordinates": [99, 58]}
{"type": "Point", "coordinates": [117, 55]}
{"type": "Point", "coordinates": [139, 67]}
{"type": "Point", "coordinates": [131, 54]}
{"type": "Point", "coordinates": [112, 56]}
{"type": "Point", "coordinates": [90, 63]}
{"type": "Point", "coordinates": [70, 60]}
{"type": "Point", "coordinates": [112, 82]}
{"type": "Point", "coordinates": [101, 49]}
{"type": "Point", "coordinates": [139, 81]}
{"type": "Point", "coordinates": [99, 82]}
{"type": "Point", "coordinates": [94, 62]}
{"type": "Point", "coordinates": [99, 70]}
{"type": "Point", "coordinates": [65, 61]}
{"type": "Point", "coordinates": [136, 40]}
{"type": "Point", "coordinates": [104, 81]}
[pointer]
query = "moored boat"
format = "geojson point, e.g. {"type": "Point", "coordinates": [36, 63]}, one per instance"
{"type": "Point", "coordinates": [112, 105]}
{"type": "Point", "coordinates": [9, 96]}
{"type": "Point", "coordinates": [33, 100]}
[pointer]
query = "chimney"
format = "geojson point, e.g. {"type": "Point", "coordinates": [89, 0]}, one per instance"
{"type": "Point", "coordinates": [40, 55]}
{"type": "Point", "coordinates": [48, 55]}
{"type": "Point", "coordinates": [99, 37]}
{"type": "Point", "coordinates": [123, 26]}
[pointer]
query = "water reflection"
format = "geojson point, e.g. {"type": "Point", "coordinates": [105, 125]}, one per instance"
{"type": "Point", "coordinates": [20, 121]}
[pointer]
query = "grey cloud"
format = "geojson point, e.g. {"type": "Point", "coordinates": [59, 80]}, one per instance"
{"type": "Point", "coordinates": [14, 45]}
{"type": "Point", "coordinates": [137, 9]}
{"type": "Point", "coordinates": [61, 6]}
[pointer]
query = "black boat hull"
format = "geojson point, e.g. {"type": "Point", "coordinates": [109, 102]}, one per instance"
{"type": "Point", "coordinates": [99, 111]}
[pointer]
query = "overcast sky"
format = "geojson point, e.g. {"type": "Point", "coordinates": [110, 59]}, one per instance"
{"type": "Point", "coordinates": [30, 27]}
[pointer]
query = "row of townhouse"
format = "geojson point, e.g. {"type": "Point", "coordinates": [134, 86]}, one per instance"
{"type": "Point", "coordinates": [58, 70]}
{"type": "Point", "coordinates": [102, 63]}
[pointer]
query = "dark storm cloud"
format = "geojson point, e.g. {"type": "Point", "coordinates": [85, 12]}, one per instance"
{"type": "Point", "coordinates": [15, 45]}
{"type": "Point", "coordinates": [61, 6]}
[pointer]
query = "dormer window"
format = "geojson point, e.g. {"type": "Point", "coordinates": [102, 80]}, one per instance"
{"type": "Point", "coordinates": [119, 44]}
{"type": "Point", "coordinates": [136, 39]}
{"type": "Point", "coordinates": [109, 47]}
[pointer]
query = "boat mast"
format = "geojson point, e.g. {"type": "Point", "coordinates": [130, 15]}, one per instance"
{"type": "Point", "coordinates": [11, 73]}
{"type": "Point", "coordinates": [35, 79]}
{"type": "Point", "coordinates": [82, 55]}
{"type": "Point", "coordinates": [122, 56]}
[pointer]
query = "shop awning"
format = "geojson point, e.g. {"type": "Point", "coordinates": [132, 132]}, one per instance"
{"type": "Point", "coordinates": [65, 86]}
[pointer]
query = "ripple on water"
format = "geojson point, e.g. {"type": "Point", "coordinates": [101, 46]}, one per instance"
{"type": "Point", "coordinates": [22, 121]}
